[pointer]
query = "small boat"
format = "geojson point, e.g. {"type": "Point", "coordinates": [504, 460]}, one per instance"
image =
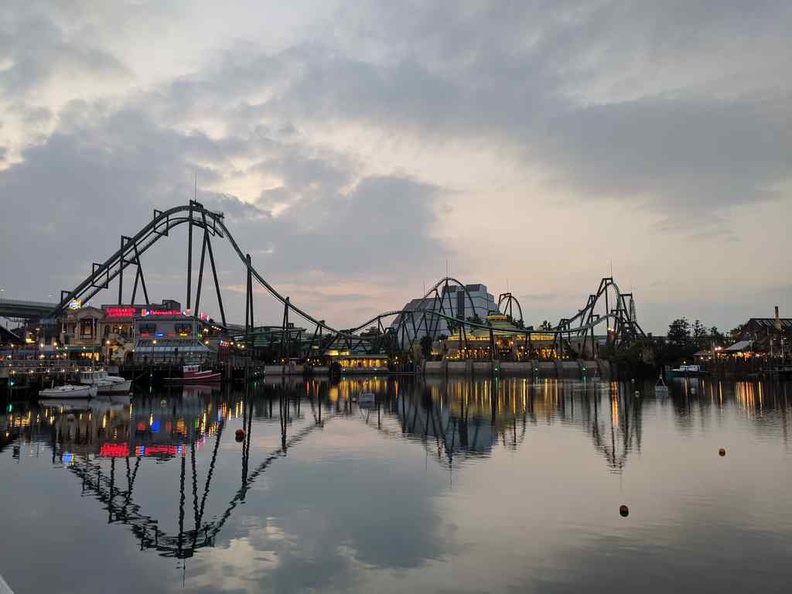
{"type": "Point", "coordinates": [366, 400]}
{"type": "Point", "coordinates": [69, 391]}
{"type": "Point", "coordinates": [193, 374]}
{"type": "Point", "coordinates": [106, 384]}
{"type": "Point", "coordinates": [688, 371]}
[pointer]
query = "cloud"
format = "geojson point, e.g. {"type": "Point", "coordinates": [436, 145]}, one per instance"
{"type": "Point", "coordinates": [105, 170]}
{"type": "Point", "coordinates": [372, 137]}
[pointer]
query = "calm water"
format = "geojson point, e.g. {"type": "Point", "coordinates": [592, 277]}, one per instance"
{"type": "Point", "coordinates": [485, 486]}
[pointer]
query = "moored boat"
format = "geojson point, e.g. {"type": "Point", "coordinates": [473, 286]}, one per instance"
{"type": "Point", "coordinates": [687, 371]}
{"type": "Point", "coordinates": [193, 374]}
{"type": "Point", "coordinates": [69, 391]}
{"type": "Point", "coordinates": [106, 384]}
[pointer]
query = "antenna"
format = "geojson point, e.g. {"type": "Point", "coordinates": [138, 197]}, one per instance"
{"type": "Point", "coordinates": [611, 268]}
{"type": "Point", "coordinates": [446, 268]}
{"type": "Point", "coordinates": [195, 191]}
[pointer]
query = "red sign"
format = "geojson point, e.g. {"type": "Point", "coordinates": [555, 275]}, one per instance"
{"type": "Point", "coordinates": [120, 312]}
{"type": "Point", "coordinates": [114, 450]}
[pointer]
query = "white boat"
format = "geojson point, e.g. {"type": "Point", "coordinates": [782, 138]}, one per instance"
{"type": "Point", "coordinates": [106, 384]}
{"type": "Point", "coordinates": [688, 371]}
{"type": "Point", "coordinates": [69, 391]}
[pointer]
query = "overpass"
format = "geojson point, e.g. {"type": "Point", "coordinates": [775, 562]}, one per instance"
{"type": "Point", "coordinates": [25, 310]}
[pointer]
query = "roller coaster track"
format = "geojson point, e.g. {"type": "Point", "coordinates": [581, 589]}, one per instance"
{"type": "Point", "coordinates": [622, 327]}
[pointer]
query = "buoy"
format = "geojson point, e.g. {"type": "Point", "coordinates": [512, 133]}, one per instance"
{"type": "Point", "coordinates": [240, 435]}
{"type": "Point", "coordinates": [624, 511]}
{"type": "Point", "coordinates": [722, 452]}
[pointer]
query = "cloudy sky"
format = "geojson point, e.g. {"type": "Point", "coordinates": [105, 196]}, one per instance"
{"type": "Point", "coordinates": [358, 147]}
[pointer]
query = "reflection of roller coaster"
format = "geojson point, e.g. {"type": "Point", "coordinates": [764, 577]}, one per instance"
{"type": "Point", "coordinates": [121, 507]}
{"type": "Point", "coordinates": [457, 421]}
{"type": "Point", "coordinates": [608, 311]}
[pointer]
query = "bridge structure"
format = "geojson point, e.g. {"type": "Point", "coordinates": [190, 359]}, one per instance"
{"type": "Point", "coordinates": [608, 312]}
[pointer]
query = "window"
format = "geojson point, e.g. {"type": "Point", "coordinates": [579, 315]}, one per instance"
{"type": "Point", "coordinates": [147, 328]}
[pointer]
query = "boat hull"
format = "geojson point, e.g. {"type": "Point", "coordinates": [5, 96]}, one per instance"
{"type": "Point", "coordinates": [115, 387]}
{"type": "Point", "coordinates": [200, 377]}
{"type": "Point", "coordinates": [677, 374]}
{"type": "Point", "coordinates": [69, 391]}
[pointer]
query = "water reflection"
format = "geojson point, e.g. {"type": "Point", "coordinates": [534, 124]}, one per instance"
{"type": "Point", "coordinates": [107, 443]}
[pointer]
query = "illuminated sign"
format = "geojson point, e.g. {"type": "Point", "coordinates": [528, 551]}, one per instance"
{"type": "Point", "coordinates": [114, 450]}
{"type": "Point", "coordinates": [156, 312]}
{"type": "Point", "coordinates": [74, 304]}
{"type": "Point", "coordinates": [160, 450]}
{"type": "Point", "coordinates": [120, 312]}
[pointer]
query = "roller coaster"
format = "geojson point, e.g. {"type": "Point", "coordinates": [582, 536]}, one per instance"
{"type": "Point", "coordinates": [607, 313]}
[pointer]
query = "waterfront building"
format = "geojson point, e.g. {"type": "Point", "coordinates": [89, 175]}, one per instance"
{"type": "Point", "coordinates": [352, 362]}
{"type": "Point", "coordinates": [765, 336]}
{"type": "Point", "coordinates": [503, 340]}
{"type": "Point", "coordinates": [471, 302]}
{"type": "Point", "coordinates": [80, 332]}
{"type": "Point", "coordinates": [173, 336]}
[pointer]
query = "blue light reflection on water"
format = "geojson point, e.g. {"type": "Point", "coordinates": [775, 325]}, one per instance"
{"type": "Point", "coordinates": [467, 486]}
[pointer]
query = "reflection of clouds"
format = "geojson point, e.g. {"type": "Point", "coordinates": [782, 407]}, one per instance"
{"type": "Point", "coordinates": [322, 520]}
{"type": "Point", "coordinates": [239, 563]}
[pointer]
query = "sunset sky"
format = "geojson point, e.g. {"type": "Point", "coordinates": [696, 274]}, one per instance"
{"type": "Point", "coordinates": [359, 148]}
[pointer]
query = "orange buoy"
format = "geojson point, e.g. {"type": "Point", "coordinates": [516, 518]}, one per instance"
{"type": "Point", "coordinates": [624, 511]}
{"type": "Point", "coordinates": [240, 435]}
{"type": "Point", "coordinates": [722, 452]}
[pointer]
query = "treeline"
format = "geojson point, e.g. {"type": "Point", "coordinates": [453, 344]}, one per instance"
{"type": "Point", "coordinates": [684, 339]}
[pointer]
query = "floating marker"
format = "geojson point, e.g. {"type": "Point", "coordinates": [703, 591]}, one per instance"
{"type": "Point", "coordinates": [624, 511]}
{"type": "Point", "coordinates": [722, 452]}
{"type": "Point", "coordinates": [240, 435]}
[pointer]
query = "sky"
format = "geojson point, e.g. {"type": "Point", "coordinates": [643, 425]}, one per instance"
{"type": "Point", "coordinates": [359, 150]}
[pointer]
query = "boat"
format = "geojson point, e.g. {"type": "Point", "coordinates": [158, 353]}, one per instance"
{"type": "Point", "coordinates": [366, 400]}
{"type": "Point", "coordinates": [193, 374]}
{"type": "Point", "coordinates": [69, 391]}
{"type": "Point", "coordinates": [688, 371]}
{"type": "Point", "coordinates": [106, 384]}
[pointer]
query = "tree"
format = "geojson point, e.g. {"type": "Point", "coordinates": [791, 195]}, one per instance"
{"type": "Point", "coordinates": [717, 339]}
{"type": "Point", "coordinates": [679, 344]}
{"type": "Point", "coordinates": [700, 335]}
{"type": "Point", "coordinates": [426, 345]}
{"type": "Point", "coordinates": [679, 333]}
